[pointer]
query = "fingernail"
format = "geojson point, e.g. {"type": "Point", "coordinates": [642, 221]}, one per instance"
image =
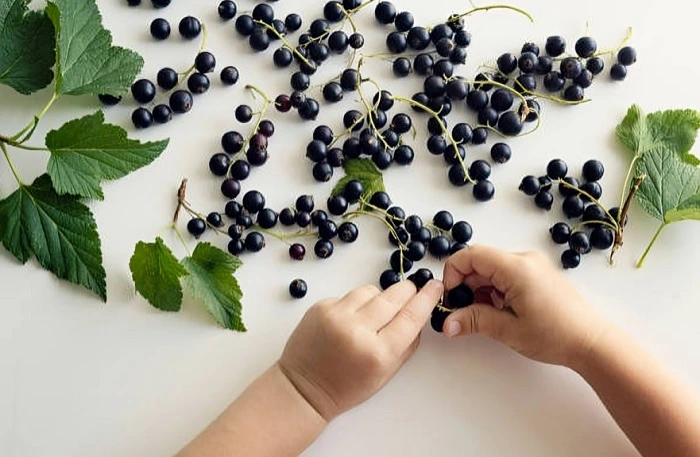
{"type": "Point", "coordinates": [453, 329]}
{"type": "Point", "coordinates": [435, 285]}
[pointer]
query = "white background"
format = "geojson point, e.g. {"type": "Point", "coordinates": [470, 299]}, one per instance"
{"type": "Point", "coordinates": [82, 378]}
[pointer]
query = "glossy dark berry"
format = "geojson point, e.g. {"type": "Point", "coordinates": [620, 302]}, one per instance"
{"type": "Point", "coordinates": [160, 29]}
{"type": "Point", "coordinates": [227, 10]}
{"type": "Point", "coordinates": [560, 233]}
{"type": "Point", "coordinates": [586, 47]}
{"type": "Point", "coordinates": [337, 205]}
{"type": "Point", "coordinates": [167, 78]}
{"type": "Point", "coordinates": [245, 25]}
{"type": "Point", "coordinates": [439, 247]}
{"type": "Point", "coordinates": [198, 83]}
{"type": "Point", "coordinates": [162, 114]}
{"type": "Point", "coordinates": [160, 3]}
{"type": "Point", "coordinates": [399, 262]}
{"type": "Point", "coordinates": [593, 189]}
{"type": "Point", "coordinates": [254, 242]}
{"type": "Point", "coordinates": [544, 200]}
{"type": "Point", "coordinates": [593, 170]}
{"type": "Point", "coordinates": [233, 209]}
{"type": "Point", "coordinates": [348, 232]}
{"type": "Point", "coordinates": [618, 72]}
{"type": "Point", "coordinates": [181, 101]}
{"type": "Point", "coordinates": [602, 238]}
{"type": "Point", "coordinates": [381, 200]}
{"type": "Point", "coordinates": [214, 219]}
{"type": "Point", "coordinates": [263, 12]}
{"type": "Point", "coordinates": [627, 56]}
{"type": "Point", "coordinates": [574, 93]}
{"type": "Point", "coordinates": [332, 92]}
{"type": "Point", "coordinates": [501, 152]}
{"type": "Point", "coordinates": [298, 289]}
{"type": "Point", "coordinates": [267, 218]}
{"type": "Point", "coordinates": [388, 278]}
{"type": "Point", "coordinates": [259, 40]}
{"type": "Point", "coordinates": [196, 227]}
{"type": "Point", "coordinates": [554, 81]}
{"type": "Point", "coordinates": [510, 124]}
{"type": "Point", "coordinates": [404, 21]}
{"type": "Point", "coordinates": [530, 185]}
{"type": "Point", "coordinates": [555, 46]}
{"type": "Point", "coordinates": [480, 170]}
{"type": "Point", "coordinates": [570, 67]}
{"type": "Point", "coordinates": [545, 183]}
{"type": "Point", "coordinates": [507, 63]}
{"type": "Point", "coordinates": [297, 251]}
{"type": "Point", "coordinates": [303, 219]}
{"type": "Point", "coordinates": [109, 100]}
{"type": "Point", "coordinates": [253, 201]}
{"type": "Point", "coordinates": [570, 189]}
{"type": "Point", "coordinates": [422, 236]}
{"type": "Point", "coordinates": [356, 40]}
{"type": "Point", "coordinates": [570, 259]}
{"type": "Point", "coordinates": [460, 297]}
{"type": "Point", "coordinates": [421, 277]}
{"type": "Point", "coordinates": [398, 236]}
{"type": "Point", "coordinates": [230, 188]}
{"type": "Point", "coordinates": [142, 118]}
{"type": "Point", "coordinates": [595, 65]}
{"type": "Point", "coordinates": [462, 232]}
{"type": "Point", "coordinates": [190, 27]}
{"type": "Point", "coordinates": [557, 169]}
{"type": "Point", "coordinates": [144, 91]}
{"type": "Point", "coordinates": [484, 191]}
{"type": "Point", "coordinates": [415, 250]}
{"type": "Point", "coordinates": [309, 109]}
{"type": "Point", "coordinates": [322, 172]}
{"type": "Point", "coordinates": [584, 80]}
{"type": "Point", "coordinates": [527, 63]}
{"type": "Point", "coordinates": [287, 217]}
{"type": "Point", "coordinates": [580, 242]}
{"type": "Point", "coordinates": [353, 191]}
{"type": "Point", "coordinates": [244, 114]}
{"type": "Point", "coordinates": [573, 206]}
{"type": "Point", "coordinates": [293, 22]}
{"type": "Point", "coordinates": [323, 249]}
{"type": "Point", "coordinates": [438, 318]}
{"type": "Point", "coordinates": [236, 247]}
{"type": "Point", "coordinates": [235, 231]}
{"type": "Point", "coordinates": [544, 65]}
{"type": "Point", "coordinates": [443, 220]}
{"type": "Point", "coordinates": [418, 38]}
{"type": "Point", "coordinates": [594, 213]}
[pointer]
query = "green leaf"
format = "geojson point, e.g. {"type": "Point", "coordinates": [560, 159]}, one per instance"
{"type": "Point", "coordinates": [86, 151]}
{"type": "Point", "coordinates": [59, 230]}
{"type": "Point", "coordinates": [365, 171]}
{"type": "Point", "coordinates": [686, 211]}
{"type": "Point", "coordinates": [669, 182]}
{"type": "Point", "coordinates": [156, 273]}
{"type": "Point", "coordinates": [211, 281]}
{"type": "Point", "coordinates": [26, 47]}
{"type": "Point", "coordinates": [87, 63]}
{"type": "Point", "coordinates": [674, 130]}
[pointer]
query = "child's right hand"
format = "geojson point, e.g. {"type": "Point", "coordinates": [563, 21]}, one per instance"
{"type": "Point", "coordinates": [524, 302]}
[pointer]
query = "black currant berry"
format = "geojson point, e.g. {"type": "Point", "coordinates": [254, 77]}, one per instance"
{"type": "Point", "coordinates": [190, 27]}
{"type": "Point", "coordinates": [580, 242]}
{"type": "Point", "coordinates": [142, 118]}
{"type": "Point", "coordinates": [323, 249]}
{"type": "Point", "coordinates": [438, 318]}
{"type": "Point", "coordinates": [181, 101]}
{"type": "Point", "coordinates": [348, 232]}
{"type": "Point", "coordinates": [544, 200]}
{"type": "Point", "coordinates": [162, 114]}
{"type": "Point", "coordinates": [388, 278]}
{"type": "Point", "coordinates": [196, 227]}
{"type": "Point", "coordinates": [560, 233]}
{"type": "Point", "coordinates": [144, 91]}
{"type": "Point", "coordinates": [298, 289]}
{"type": "Point", "coordinates": [460, 297]}
{"type": "Point", "coordinates": [253, 201]}
{"type": "Point", "coordinates": [160, 29]}
{"type": "Point", "coordinates": [570, 259]}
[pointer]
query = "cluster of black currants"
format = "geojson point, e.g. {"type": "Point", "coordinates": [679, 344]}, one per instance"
{"type": "Point", "coordinates": [457, 298]}
{"type": "Point", "coordinates": [156, 3]}
{"type": "Point", "coordinates": [241, 154]}
{"type": "Point", "coordinates": [560, 72]}
{"type": "Point", "coordinates": [595, 227]}
{"type": "Point", "coordinates": [307, 107]}
{"type": "Point", "coordinates": [374, 135]}
{"type": "Point", "coordinates": [447, 41]}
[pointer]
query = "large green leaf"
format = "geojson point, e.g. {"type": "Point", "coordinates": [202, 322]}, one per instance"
{"type": "Point", "coordinates": [86, 151]}
{"type": "Point", "coordinates": [156, 273]}
{"type": "Point", "coordinates": [87, 63]}
{"type": "Point", "coordinates": [686, 211]}
{"type": "Point", "coordinates": [26, 47]}
{"type": "Point", "coordinates": [669, 182]}
{"type": "Point", "coordinates": [211, 281]}
{"type": "Point", "coordinates": [365, 171]}
{"type": "Point", "coordinates": [59, 230]}
{"type": "Point", "coordinates": [674, 130]}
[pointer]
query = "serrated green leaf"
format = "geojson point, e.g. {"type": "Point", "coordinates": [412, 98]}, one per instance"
{"type": "Point", "coordinates": [686, 211]}
{"type": "Point", "coordinates": [668, 182]}
{"type": "Point", "coordinates": [87, 63]}
{"type": "Point", "coordinates": [674, 130]}
{"type": "Point", "coordinates": [211, 281]}
{"type": "Point", "coordinates": [86, 151]}
{"type": "Point", "coordinates": [156, 273]}
{"type": "Point", "coordinates": [365, 171]}
{"type": "Point", "coordinates": [26, 47]}
{"type": "Point", "coordinates": [59, 230]}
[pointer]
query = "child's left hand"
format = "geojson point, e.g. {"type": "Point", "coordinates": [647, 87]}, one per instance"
{"type": "Point", "coordinates": [344, 351]}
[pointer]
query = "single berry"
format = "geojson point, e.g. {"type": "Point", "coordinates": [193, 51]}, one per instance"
{"type": "Point", "coordinates": [555, 46]}
{"type": "Point", "coordinates": [570, 67]}
{"type": "Point", "coordinates": [595, 65]}
{"type": "Point", "coordinates": [160, 29]}
{"type": "Point", "coordinates": [544, 200]}
{"type": "Point", "coordinates": [602, 238]}
{"type": "Point", "coordinates": [227, 10]}
{"type": "Point", "coordinates": [348, 232]}
{"type": "Point", "coordinates": [462, 232]}
{"type": "Point", "coordinates": [353, 191]}
{"type": "Point", "coordinates": [190, 27]}
{"type": "Point", "coordinates": [196, 226]}
{"type": "Point", "coordinates": [530, 185]}
{"type": "Point", "coordinates": [399, 262]}
{"type": "Point", "coordinates": [167, 78]}
{"type": "Point", "coordinates": [181, 101]}
{"type": "Point", "coordinates": [618, 72]}
{"type": "Point", "coordinates": [501, 152]}
{"type": "Point", "coordinates": [421, 277]}
{"type": "Point", "coordinates": [381, 200]}
{"type": "Point", "coordinates": [253, 201]}
{"type": "Point", "coordinates": [230, 188]}
{"type": "Point", "coordinates": [460, 297]}
{"type": "Point", "coordinates": [483, 191]}
{"type": "Point", "coordinates": [593, 170]}
{"type": "Point", "coordinates": [214, 219]}
{"type": "Point", "coordinates": [254, 242]}
{"type": "Point", "coordinates": [627, 56]}
{"type": "Point", "coordinates": [297, 251]}
{"type": "Point", "coordinates": [557, 169]}
{"type": "Point", "coordinates": [198, 83]}
{"type": "Point", "coordinates": [438, 318]}
{"type": "Point", "coordinates": [144, 91]}
{"type": "Point", "coordinates": [439, 247]}
{"type": "Point", "coordinates": [580, 242]}
{"type": "Point", "coordinates": [586, 47]}
{"type": "Point", "coordinates": [560, 232]}
{"type": "Point", "coordinates": [244, 114]}
{"type": "Point", "coordinates": [573, 207]}
{"type": "Point", "coordinates": [443, 220]}
{"type": "Point", "coordinates": [593, 189]}
{"type": "Point", "coordinates": [388, 278]}
{"type": "Point", "coordinates": [298, 289]}
{"type": "Point", "coordinates": [162, 114]}
{"type": "Point", "coordinates": [323, 249]}
{"type": "Point", "coordinates": [142, 118]}
{"type": "Point", "coordinates": [337, 205]}
{"type": "Point", "coordinates": [570, 259]}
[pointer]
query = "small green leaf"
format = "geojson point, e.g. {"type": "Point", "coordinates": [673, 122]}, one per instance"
{"type": "Point", "coordinates": [365, 171]}
{"type": "Point", "coordinates": [26, 47]}
{"type": "Point", "coordinates": [686, 211]}
{"type": "Point", "coordinates": [211, 281]}
{"type": "Point", "coordinates": [669, 182]}
{"type": "Point", "coordinates": [86, 151]}
{"type": "Point", "coordinates": [59, 230]}
{"type": "Point", "coordinates": [156, 273]}
{"type": "Point", "coordinates": [87, 63]}
{"type": "Point", "coordinates": [674, 130]}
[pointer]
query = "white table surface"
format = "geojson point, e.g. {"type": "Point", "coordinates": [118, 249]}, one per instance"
{"type": "Point", "coordinates": [81, 378]}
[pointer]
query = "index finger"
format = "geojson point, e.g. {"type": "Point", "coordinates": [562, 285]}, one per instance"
{"type": "Point", "coordinates": [496, 266]}
{"type": "Point", "coordinates": [408, 322]}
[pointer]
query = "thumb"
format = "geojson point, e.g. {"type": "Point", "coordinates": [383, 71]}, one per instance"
{"type": "Point", "coordinates": [484, 319]}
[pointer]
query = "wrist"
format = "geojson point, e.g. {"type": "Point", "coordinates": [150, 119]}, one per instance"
{"type": "Point", "coordinates": [314, 396]}
{"type": "Point", "coordinates": [586, 354]}
{"type": "Point", "coordinates": [303, 406]}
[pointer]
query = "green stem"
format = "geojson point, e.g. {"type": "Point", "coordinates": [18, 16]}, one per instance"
{"type": "Point", "coordinates": [625, 184]}
{"type": "Point", "coordinates": [288, 236]}
{"type": "Point", "coordinates": [594, 200]}
{"type": "Point", "coordinates": [491, 7]}
{"type": "Point", "coordinates": [266, 105]}
{"type": "Point", "coordinates": [444, 131]}
{"type": "Point", "coordinates": [640, 264]}
{"type": "Point", "coordinates": [182, 239]}
{"type": "Point", "coordinates": [12, 166]}
{"type": "Point", "coordinates": [36, 120]}
{"type": "Point", "coordinates": [286, 43]}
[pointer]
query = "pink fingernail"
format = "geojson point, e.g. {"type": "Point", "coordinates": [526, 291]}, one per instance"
{"type": "Point", "coordinates": [453, 329]}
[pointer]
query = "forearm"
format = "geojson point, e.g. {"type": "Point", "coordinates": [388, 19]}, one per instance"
{"type": "Point", "coordinates": [270, 419]}
{"type": "Point", "coordinates": [657, 414]}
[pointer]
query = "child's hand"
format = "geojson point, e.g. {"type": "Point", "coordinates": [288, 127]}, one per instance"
{"type": "Point", "coordinates": [344, 351]}
{"type": "Point", "coordinates": [523, 301]}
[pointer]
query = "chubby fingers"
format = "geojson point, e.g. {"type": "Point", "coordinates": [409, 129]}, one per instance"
{"type": "Point", "coordinates": [406, 325]}
{"type": "Point", "coordinates": [381, 309]}
{"type": "Point", "coordinates": [481, 266]}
